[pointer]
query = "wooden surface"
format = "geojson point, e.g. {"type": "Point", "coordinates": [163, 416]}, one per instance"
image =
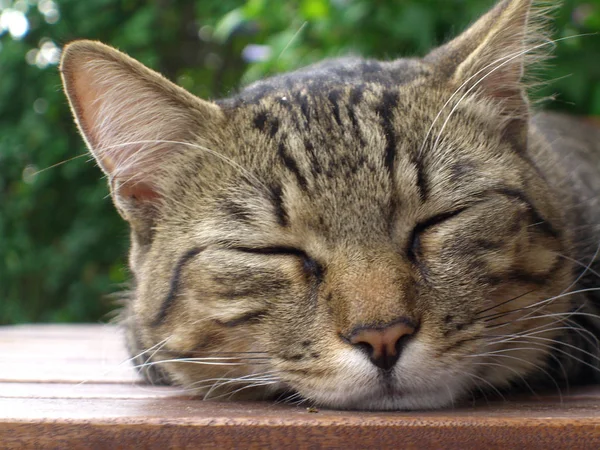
{"type": "Point", "coordinates": [66, 387]}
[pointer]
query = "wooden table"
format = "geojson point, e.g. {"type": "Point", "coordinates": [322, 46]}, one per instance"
{"type": "Point", "coordinates": [65, 387]}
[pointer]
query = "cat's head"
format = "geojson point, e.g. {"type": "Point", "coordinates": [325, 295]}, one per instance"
{"type": "Point", "coordinates": [365, 234]}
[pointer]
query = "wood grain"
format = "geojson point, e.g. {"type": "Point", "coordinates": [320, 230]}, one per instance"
{"type": "Point", "coordinates": [68, 387]}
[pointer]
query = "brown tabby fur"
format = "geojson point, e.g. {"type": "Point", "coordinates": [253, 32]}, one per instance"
{"type": "Point", "coordinates": [350, 194]}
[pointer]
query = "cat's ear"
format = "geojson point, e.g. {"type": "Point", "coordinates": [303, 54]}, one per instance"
{"type": "Point", "coordinates": [131, 119]}
{"type": "Point", "coordinates": [490, 57]}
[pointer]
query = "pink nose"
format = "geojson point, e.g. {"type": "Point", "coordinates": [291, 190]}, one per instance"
{"type": "Point", "coordinates": [383, 344]}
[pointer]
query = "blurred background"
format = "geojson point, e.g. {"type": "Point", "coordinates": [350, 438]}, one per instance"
{"type": "Point", "coordinates": [62, 246]}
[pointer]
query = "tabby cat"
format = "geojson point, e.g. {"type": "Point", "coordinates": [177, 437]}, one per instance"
{"type": "Point", "coordinates": [356, 234]}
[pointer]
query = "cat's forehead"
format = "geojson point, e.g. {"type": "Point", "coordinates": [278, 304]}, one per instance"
{"type": "Point", "coordinates": [320, 79]}
{"type": "Point", "coordinates": [353, 136]}
{"type": "Point", "coordinates": [337, 97]}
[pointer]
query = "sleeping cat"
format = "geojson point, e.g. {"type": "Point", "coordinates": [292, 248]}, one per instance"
{"type": "Point", "coordinates": [357, 234]}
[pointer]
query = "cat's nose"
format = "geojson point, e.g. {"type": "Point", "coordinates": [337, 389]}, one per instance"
{"type": "Point", "coordinates": [384, 344]}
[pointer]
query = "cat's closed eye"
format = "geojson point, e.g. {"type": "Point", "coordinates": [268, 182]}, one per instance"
{"type": "Point", "coordinates": [421, 227]}
{"type": "Point", "coordinates": [310, 265]}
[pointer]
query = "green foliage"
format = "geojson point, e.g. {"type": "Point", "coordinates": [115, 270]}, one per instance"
{"type": "Point", "coordinates": [62, 246]}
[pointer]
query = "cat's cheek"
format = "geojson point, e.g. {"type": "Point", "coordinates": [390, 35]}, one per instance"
{"type": "Point", "coordinates": [342, 381]}
{"type": "Point", "coordinates": [209, 368]}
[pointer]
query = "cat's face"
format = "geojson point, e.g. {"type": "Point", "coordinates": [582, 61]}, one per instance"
{"type": "Point", "coordinates": [329, 232]}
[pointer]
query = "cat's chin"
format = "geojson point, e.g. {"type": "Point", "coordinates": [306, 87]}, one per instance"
{"type": "Point", "coordinates": [378, 399]}
{"type": "Point", "coordinates": [386, 400]}
{"type": "Point", "coordinates": [418, 382]}
{"type": "Point", "coordinates": [382, 397]}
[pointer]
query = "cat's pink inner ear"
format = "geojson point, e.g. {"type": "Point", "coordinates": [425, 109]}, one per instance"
{"type": "Point", "coordinates": [125, 163]}
{"type": "Point", "coordinates": [87, 103]}
{"type": "Point", "coordinates": [139, 191]}
{"type": "Point", "coordinates": [137, 124]}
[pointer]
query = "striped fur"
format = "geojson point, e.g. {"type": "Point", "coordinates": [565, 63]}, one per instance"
{"type": "Point", "coordinates": [268, 226]}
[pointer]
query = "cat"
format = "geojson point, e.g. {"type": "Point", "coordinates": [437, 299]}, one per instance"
{"type": "Point", "coordinates": [356, 234]}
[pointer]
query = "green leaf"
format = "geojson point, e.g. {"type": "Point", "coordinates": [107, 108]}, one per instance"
{"type": "Point", "coordinates": [228, 24]}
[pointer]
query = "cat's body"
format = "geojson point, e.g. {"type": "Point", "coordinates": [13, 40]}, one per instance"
{"type": "Point", "coordinates": [575, 146]}
{"type": "Point", "coordinates": [364, 234]}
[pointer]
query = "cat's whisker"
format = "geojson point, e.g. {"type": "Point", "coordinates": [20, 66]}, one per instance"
{"type": "Point", "coordinates": [556, 347]}
{"type": "Point", "coordinates": [533, 331]}
{"type": "Point", "coordinates": [219, 382]}
{"type": "Point", "coordinates": [587, 268]}
{"type": "Point", "coordinates": [494, 388]}
{"type": "Point", "coordinates": [535, 305]}
{"type": "Point", "coordinates": [512, 339]}
{"type": "Point", "coordinates": [503, 303]}
{"type": "Point", "coordinates": [300, 401]}
{"type": "Point", "coordinates": [267, 379]}
{"type": "Point", "coordinates": [129, 360]}
{"type": "Point", "coordinates": [292, 39]}
{"type": "Point", "coordinates": [227, 358]}
{"type": "Point", "coordinates": [158, 349]}
{"type": "Point", "coordinates": [561, 317]}
{"type": "Point", "coordinates": [579, 263]}
{"type": "Point", "coordinates": [478, 387]}
{"type": "Point", "coordinates": [239, 378]}
{"type": "Point", "coordinates": [229, 354]}
{"type": "Point", "coordinates": [585, 334]}
{"type": "Point", "coordinates": [288, 398]}
{"type": "Point", "coordinates": [557, 342]}
{"type": "Point", "coordinates": [505, 350]}
{"type": "Point", "coordinates": [491, 364]}
{"type": "Point", "coordinates": [577, 328]}
{"type": "Point", "coordinates": [541, 369]}
{"type": "Point", "coordinates": [156, 346]}
{"type": "Point", "coordinates": [544, 303]}
{"type": "Point", "coordinates": [565, 317]}
{"type": "Point", "coordinates": [292, 398]}
{"type": "Point", "coordinates": [210, 382]}
{"type": "Point", "coordinates": [450, 394]}
{"type": "Point", "coordinates": [243, 388]}
{"type": "Point", "coordinates": [35, 174]}
{"type": "Point", "coordinates": [549, 354]}
{"type": "Point", "coordinates": [199, 361]}
{"type": "Point", "coordinates": [144, 369]}
{"type": "Point", "coordinates": [536, 224]}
